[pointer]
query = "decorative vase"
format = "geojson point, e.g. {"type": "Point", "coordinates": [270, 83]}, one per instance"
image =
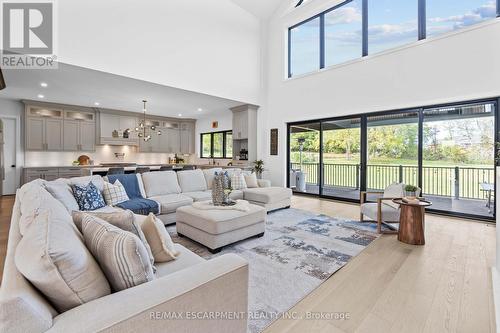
{"type": "Point", "coordinates": [218, 195]}
{"type": "Point", "coordinates": [410, 195]}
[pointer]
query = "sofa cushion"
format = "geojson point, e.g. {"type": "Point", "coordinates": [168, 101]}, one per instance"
{"type": "Point", "coordinates": [123, 219]}
{"type": "Point", "coordinates": [62, 191]}
{"type": "Point", "coordinates": [236, 195]}
{"type": "Point", "coordinates": [53, 257]}
{"type": "Point", "coordinates": [389, 214]}
{"type": "Point", "coordinates": [141, 206]}
{"type": "Point", "coordinates": [114, 193]}
{"type": "Point", "coordinates": [170, 202]}
{"type": "Point", "coordinates": [121, 254]}
{"type": "Point", "coordinates": [267, 194]}
{"type": "Point", "coordinates": [210, 175]}
{"type": "Point", "coordinates": [158, 239]}
{"type": "Point", "coordinates": [395, 190]}
{"type": "Point", "coordinates": [88, 197]}
{"type": "Point", "coordinates": [192, 181]}
{"type": "Point", "coordinates": [160, 183]}
{"type": "Point", "coordinates": [185, 259]}
{"type": "Point", "coordinates": [199, 196]}
{"type": "Point", "coordinates": [216, 222]}
{"type": "Point", "coordinates": [32, 203]}
{"type": "Point", "coordinates": [84, 181]}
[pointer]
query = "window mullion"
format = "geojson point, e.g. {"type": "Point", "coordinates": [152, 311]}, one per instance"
{"type": "Point", "coordinates": [364, 29]}
{"type": "Point", "coordinates": [422, 19]}
{"type": "Point", "coordinates": [322, 41]}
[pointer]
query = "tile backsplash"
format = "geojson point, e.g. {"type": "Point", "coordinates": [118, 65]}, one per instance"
{"type": "Point", "coordinates": [103, 154]}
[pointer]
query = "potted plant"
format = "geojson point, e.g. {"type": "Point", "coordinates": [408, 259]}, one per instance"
{"type": "Point", "coordinates": [258, 168]}
{"type": "Point", "coordinates": [411, 191]}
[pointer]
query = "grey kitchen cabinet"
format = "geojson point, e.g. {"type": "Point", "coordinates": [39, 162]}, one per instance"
{"type": "Point", "coordinates": [87, 136]}
{"type": "Point", "coordinates": [110, 122]}
{"type": "Point", "coordinates": [41, 173]}
{"type": "Point", "coordinates": [35, 129]}
{"type": "Point", "coordinates": [173, 140]}
{"type": "Point", "coordinates": [71, 135]}
{"type": "Point", "coordinates": [53, 173]}
{"type": "Point", "coordinates": [240, 125]}
{"type": "Point", "coordinates": [49, 127]}
{"type": "Point", "coordinates": [79, 135]}
{"type": "Point", "coordinates": [54, 134]}
{"type": "Point", "coordinates": [187, 137]}
{"type": "Point", "coordinates": [44, 134]}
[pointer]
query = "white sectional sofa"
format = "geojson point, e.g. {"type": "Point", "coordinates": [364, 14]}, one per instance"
{"type": "Point", "coordinates": [177, 189]}
{"type": "Point", "coordinates": [189, 283]}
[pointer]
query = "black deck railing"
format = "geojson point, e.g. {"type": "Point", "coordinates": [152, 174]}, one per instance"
{"type": "Point", "coordinates": [458, 182]}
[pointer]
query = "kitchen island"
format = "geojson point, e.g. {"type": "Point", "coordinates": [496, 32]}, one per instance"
{"type": "Point", "coordinates": [54, 172]}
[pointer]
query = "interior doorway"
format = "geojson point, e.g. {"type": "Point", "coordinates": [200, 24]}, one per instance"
{"type": "Point", "coordinates": [8, 156]}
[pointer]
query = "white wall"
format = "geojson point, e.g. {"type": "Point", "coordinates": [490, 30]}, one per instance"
{"type": "Point", "coordinates": [211, 47]}
{"type": "Point", "coordinates": [13, 109]}
{"type": "Point", "coordinates": [455, 67]}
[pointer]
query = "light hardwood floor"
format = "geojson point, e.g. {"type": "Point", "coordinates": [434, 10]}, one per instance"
{"type": "Point", "coordinates": [444, 286]}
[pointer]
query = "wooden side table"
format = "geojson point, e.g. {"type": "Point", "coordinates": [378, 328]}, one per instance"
{"type": "Point", "coordinates": [412, 222]}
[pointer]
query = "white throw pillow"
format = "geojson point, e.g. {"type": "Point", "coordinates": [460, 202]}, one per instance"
{"type": "Point", "coordinates": [395, 190]}
{"type": "Point", "coordinates": [251, 180]}
{"type": "Point", "coordinates": [62, 192]}
{"type": "Point", "coordinates": [210, 175]}
{"type": "Point", "coordinates": [121, 254]}
{"type": "Point", "coordinates": [114, 193]}
{"type": "Point", "coordinates": [159, 240]}
{"type": "Point", "coordinates": [238, 181]}
{"type": "Point", "coordinates": [53, 257]}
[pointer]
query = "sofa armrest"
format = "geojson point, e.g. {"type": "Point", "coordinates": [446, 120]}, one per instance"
{"type": "Point", "coordinates": [264, 182]}
{"type": "Point", "coordinates": [177, 302]}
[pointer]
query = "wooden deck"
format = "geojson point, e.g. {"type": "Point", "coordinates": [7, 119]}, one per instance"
{"type": "Point", "coordinates": [448, 204]}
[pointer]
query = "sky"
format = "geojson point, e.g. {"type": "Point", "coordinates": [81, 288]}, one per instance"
{"type": "Point", "coordinates": [391, 23]}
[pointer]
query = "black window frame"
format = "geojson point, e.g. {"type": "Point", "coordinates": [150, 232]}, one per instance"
{"type": "Point", "coordinates": [364, 144]}
{"type": "Point", "coordinates": [422, 30]}
{"type": "Point", "coordinates": [224, 146]}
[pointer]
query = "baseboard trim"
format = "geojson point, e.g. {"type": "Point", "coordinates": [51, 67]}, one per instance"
{"type": "Point", "coordinates": [495, 280]}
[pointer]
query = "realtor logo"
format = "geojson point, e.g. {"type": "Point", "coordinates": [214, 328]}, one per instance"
{"type": "Point", "coordinates": [28, 34]}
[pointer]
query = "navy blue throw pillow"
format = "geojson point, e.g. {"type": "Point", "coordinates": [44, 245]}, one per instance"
{"type": "Point", "coordinates": [88, 197]}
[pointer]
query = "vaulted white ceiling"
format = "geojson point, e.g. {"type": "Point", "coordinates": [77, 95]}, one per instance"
{"type": "Point", "coordinates": [260, 8]}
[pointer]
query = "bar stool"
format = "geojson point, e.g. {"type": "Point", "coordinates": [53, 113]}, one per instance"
{"type": "Point", "coordinates": [142, 170]}
{"type": "Point", "coordinates": [116, 171]}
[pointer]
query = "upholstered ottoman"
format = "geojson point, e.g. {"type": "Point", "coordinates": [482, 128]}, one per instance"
{"type": "Point", "coordinates": [271, 198]}
{"type": "Point", "coordinates": [217, 228]}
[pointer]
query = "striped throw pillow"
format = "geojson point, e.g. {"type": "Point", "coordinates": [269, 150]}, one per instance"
{"type": "Point", "coordinates": [114, 193]}
{"type": "Point", "coordinates": [120, 254]}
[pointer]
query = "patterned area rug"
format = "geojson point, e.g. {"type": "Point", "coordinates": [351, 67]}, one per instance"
{"type": "Point", "coordinates": [298, 252]}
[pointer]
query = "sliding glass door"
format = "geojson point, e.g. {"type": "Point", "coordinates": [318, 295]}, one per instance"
{"type": "Point", "coordinates": [341, 158]}
{"type": "Point", "coordinates": [458, 158]}
{"type": "Point", "coordinates": [448, 151]}
{"type": "Point", "coordinates": [392, 150]}
{"type": "Point", "coordinates": [304, 153]}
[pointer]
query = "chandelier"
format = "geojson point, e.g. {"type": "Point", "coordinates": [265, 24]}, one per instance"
{"type": "Point", "coordinates": [143, 129]}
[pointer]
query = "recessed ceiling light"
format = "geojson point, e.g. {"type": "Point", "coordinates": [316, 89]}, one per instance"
{"type": "Point", "coordinates": [97, 103]}
{"type": "Point", "coordinates": [44, 85]}
{"type": "Point", "coordinates": [200, 109]}
{"type": "Point", "coordinates": [41, 96]}
{"type": "Point", "coordinates": [180, 114]}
